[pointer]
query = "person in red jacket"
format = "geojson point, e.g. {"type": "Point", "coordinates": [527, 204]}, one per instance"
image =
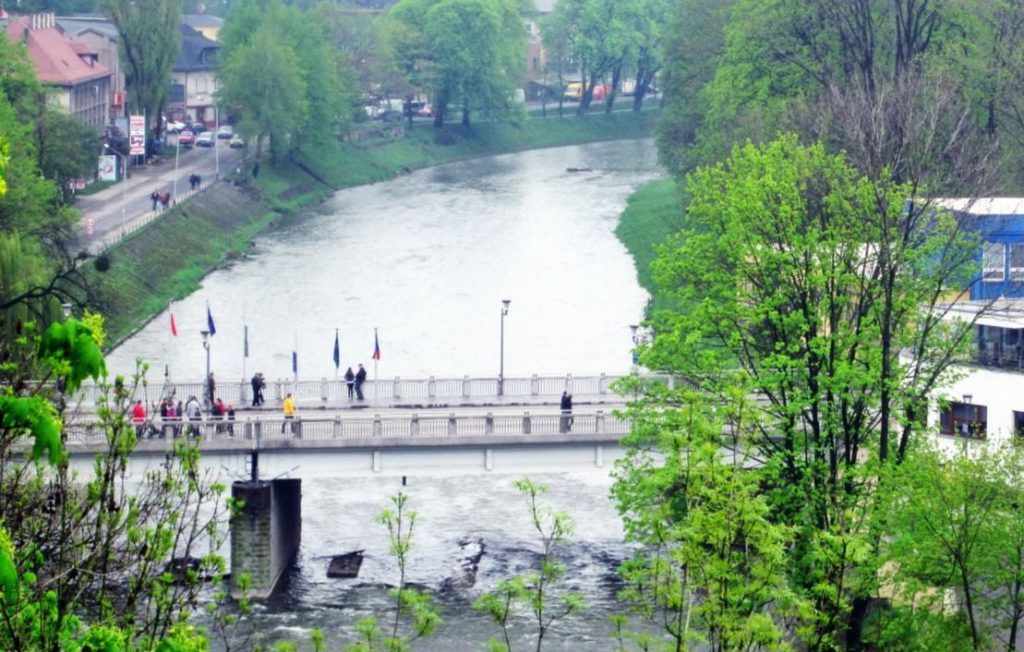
{"type": "Point", "coordinates": [139, 418]}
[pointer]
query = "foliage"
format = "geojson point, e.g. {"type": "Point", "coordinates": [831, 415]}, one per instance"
{"type": "Point", "coordinates": [411, 604]}
{"type": "Point", "coordinates": [467, 52]}
{"type": "Point", "coordinates": [535, 592]}
{"type": "Point", "coordinates": [83, 560]}
{"type": "Point", "coordinates": [149, 39]}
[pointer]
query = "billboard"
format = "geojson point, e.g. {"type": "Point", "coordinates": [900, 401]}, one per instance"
{"type": "Point", "coordinates": [137, 135]}
{"type": "Point", "coordinates": [108, 168]}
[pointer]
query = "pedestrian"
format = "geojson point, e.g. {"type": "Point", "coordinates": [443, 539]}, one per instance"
{"type": "Point", "coordinates": [171, 426]}
{"type": "Point", "coordinates": [139, 417]}
{"type": "Point", "coordinates": [231, 420]}
{"type": "Point", "coordinates": [565, 423]}
{"type": "Point", "coordinates": [257, 389]}
{"type": "Point", "coordinates": [211, 388]}
{"type": "Point", "coordinates": [199, 181]}
{"type": "Point", "coordinates": [165, 200]}
{"type": "Point", "coordinates": [360, 379]}
{"type": "Point", "coordinates": [288, 407]}
{"type": "Point", "coordinates": [219, 411]}
{"type": "Point", "coordinates": [179, 415]}
{"type": "Point", "coordinates": [194, 411]}
{"type": "Point", "coordinates": [350, 381]}
{"type": "Point", "coordinates": [155, 198]}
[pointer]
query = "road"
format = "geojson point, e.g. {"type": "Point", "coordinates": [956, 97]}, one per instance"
{"type": "Point", "coordinates": [118, 208]}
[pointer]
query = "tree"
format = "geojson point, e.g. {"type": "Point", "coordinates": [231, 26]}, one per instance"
{"type": "Point", "coordinates": [262, 81]}
{"type": "Point", "coordinates": [803, 282]}
{"type": "Point", "coordinates": [86, 560]}
{"type": "Point", "coordinates": [150, 36]}
{"type": "Point", "coordinates": [67, 151]}
{"type": "Point", "coordinates": [535, 592]}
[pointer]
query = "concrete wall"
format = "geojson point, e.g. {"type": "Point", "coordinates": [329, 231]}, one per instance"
{"type": "Point", "coordinates": [265, 534]}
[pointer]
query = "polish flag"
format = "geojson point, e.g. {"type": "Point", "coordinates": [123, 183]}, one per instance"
{"type": "Point", "coordinates": [174, 327]}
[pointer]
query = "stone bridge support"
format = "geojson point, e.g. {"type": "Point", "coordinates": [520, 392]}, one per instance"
{"type": "Point", "coordinates": [265, 534]}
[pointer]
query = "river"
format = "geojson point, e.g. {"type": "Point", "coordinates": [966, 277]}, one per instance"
{"type": "Point", "coordinates": [427, 259]}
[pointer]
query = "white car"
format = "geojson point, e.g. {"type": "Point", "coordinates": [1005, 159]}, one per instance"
{"type": "Point", "coordinates": [176, 127]}
{"type": "Point", "coordinates": [225, 132]}
{"type": "Point", "coordinates": [205, 139]}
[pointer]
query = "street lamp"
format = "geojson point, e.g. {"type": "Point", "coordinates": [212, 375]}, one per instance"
{"type": "Point", "coordinates": [501, 363]}
{"type": "Point", "coordinates": [207, 399]}
{"type": "Point", "coordinates": [636, 342]}
{"type": "Point", "coordinates": [177, 154]}
{"type": "Point", "coordinates": [124, 185]}
{"type": "Point", "coordinates": [66, 307]}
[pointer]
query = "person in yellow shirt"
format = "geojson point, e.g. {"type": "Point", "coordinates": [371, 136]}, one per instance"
{"type": "Point", "coordinates": [288, 407]}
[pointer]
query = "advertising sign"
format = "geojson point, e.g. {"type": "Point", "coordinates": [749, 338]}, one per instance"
{"type": "Point", "coordinates": [137, 135]}
{"type": "Point", "coordinates": [108, 168]}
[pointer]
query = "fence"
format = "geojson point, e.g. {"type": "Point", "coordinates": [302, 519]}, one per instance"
{"type": "Point", "coordinates": [386, 391]}
{"type": "Point", "coordinates": [405, 427]}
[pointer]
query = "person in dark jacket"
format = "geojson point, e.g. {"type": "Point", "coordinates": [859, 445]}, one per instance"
{"type": "Point", "coordinates": [258, 384]}
{"type": "Point", "coordinates": [360, 379]}
{"type": "Point", "coordinates": [565, 423]}
{"type": "Point", "coordinates": [350, 381]}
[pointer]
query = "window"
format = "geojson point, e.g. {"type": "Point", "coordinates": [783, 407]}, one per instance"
{"type": "Point", "coordinates": [964, 420]}
{"type": "Point", "coordinates": [994, 263]}
{"type": "Point", "coordinates": [1018, 423]}
{"type": "Point", "coordinates": [1017, 262]}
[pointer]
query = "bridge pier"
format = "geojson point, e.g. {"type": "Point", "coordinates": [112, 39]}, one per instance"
{"type": "Point", "coordinates": [265, 534]}
{"type": "Point", "coordinates": [488, 459]}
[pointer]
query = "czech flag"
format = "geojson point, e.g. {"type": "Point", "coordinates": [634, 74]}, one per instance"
{"type": "Point", "coordinates": [376, 346]}
{"type": "Point", "coordinates": [174, 327]}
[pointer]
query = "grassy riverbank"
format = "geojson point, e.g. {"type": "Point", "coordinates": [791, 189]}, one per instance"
{"type": "Point", "coordinates": [167, 259]}
{"type": "Point", "coordinates": [653, 213]}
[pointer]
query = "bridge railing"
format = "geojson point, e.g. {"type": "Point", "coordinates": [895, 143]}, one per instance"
{"type": "Point", "coordinates": [384, 391]}
{"type": "Point", "coordinates": [270, 429]}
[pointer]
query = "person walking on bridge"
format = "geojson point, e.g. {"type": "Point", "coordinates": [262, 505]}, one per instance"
{"type": "Point", "coordinates": [288, 407]}
{"type": "Point", "coordinates": [565, 423]}
{"type": "Point", "coordinates": [350, 382]}
{"type": "Point", "coordinates": [258, 384]}
{"type": "Point", "coordinates": [360, 379]}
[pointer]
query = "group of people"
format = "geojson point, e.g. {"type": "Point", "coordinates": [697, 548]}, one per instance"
{"type": "Point", "coordinates": [162, 200]}
{"type": "Point", "coordinates": [354, 382]}
{"type": "Point", "coordinates": [175, 415]}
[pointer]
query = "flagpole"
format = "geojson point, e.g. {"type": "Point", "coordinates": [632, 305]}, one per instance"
{"type": "Point", "coordinates": [376, 359]}
{"type": "Point", "coordinates": [295, 364]}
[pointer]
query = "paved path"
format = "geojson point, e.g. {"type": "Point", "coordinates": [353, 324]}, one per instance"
{"type": "Point", "coordinates": [105, 207]}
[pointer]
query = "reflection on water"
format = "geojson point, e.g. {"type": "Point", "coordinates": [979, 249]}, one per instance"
{"type": "Point", "coordinates": [427, 258]}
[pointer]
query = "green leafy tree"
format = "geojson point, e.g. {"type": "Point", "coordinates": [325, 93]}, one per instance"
{"type": "Point", "coordinates": [149, 39]}
{"type": "Point", "coordinates": [536, 591]}
{"type": "Point", "coordinates": [410, 604]}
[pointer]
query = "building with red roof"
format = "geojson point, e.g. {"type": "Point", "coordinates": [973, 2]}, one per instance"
{"type": "Point", "coordinates": [83, 83]}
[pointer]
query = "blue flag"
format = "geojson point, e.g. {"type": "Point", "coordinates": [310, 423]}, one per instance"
{"type": "Point", "coordinates": [209, 322]}
{"type": "Point", "coordinates": [295, 362]}
{"type": "Point", "coordinates": [337, 351]}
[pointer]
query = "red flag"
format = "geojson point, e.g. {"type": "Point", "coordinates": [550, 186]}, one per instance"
{"type": "Point", "coordinates": [174, 328]}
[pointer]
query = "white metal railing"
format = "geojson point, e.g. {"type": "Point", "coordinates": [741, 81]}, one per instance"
{"type": "Point", "coordinates": [395, 391]}
{"type": "Point", "coordinates": [464, 428]}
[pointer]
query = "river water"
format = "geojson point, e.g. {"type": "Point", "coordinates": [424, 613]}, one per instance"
{"type": "Point", "coordinates": [426, 259]}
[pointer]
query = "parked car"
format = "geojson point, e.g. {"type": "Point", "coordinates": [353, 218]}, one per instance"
{"type": "Point", "coordinates": [186, 138]}
{"type": "Point", "coordinates": [225, 132]}
{"type": "Point", "coordinates": [176, 127]}
{"type": "Point", "coordinates": [205, 139]}
{"type": "Point", "coordinates": [236, 142]}
{"type": "Point", "coordinates": [198, 127]}
{"type": "Point", "coordinates": [426, 111]}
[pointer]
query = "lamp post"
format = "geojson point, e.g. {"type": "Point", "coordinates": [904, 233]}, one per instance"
{"type": "Point", "coordinates": [177, 154]}
{"type": "Point", "coordinates": [501, 362]}
{"type": "Point", "coordinates": [206, 379]}
{"type": "Point", "coordinates": [124, 185]}
{"type": "Point", "coordinates": [634, 356]}
{"type": "Point", "coordinates": [66, 307]}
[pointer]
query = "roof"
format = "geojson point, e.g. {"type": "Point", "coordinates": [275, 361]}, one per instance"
{"type": "Point", "coordinates": [54, 57]}
{"type": "Point", "coordinates": [76, 25]}
{"type": "Point", "coordinates": [197, 52]}
{"type": "Point", "coordinates": [983, 205]}
{"type": "Point", "coordinates": [203, 20]}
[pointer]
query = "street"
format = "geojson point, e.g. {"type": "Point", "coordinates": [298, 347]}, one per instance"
{"type": "Point", "coordinates": [118, 207]}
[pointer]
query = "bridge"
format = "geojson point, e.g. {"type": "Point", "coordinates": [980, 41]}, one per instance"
{"type": "Point", "coordinates": [395, 392]}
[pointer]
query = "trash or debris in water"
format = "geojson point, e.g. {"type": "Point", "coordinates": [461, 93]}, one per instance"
{"type": "Point", "coordinates": [181, 567]}
{"type": "Point", "coordinates": [579, 169]}
{"type": "Point", "coordinates": [464, 572]}
{"type": "Point", "coordinates": [346, 565]}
